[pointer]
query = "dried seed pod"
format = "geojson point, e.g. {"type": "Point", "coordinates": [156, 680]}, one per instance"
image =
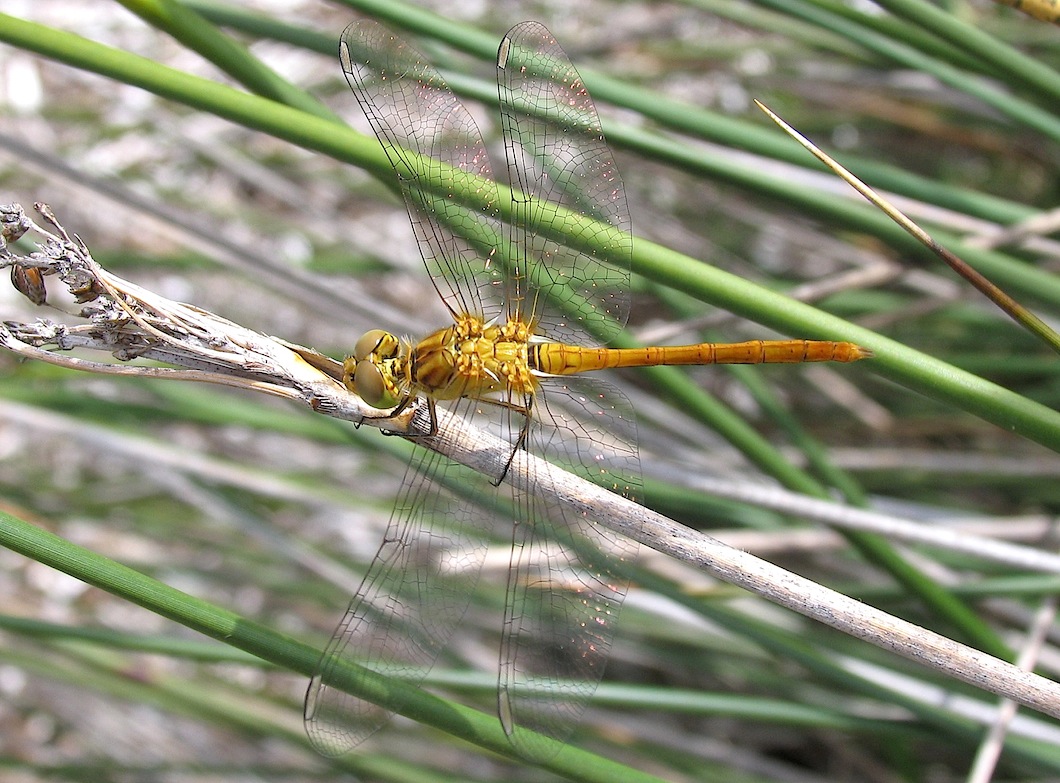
{"type": "Point", "coordinates": [29, 282]}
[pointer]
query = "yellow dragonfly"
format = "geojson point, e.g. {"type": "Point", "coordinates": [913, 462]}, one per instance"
{"type": "Point", "coordinates": [529, 316]}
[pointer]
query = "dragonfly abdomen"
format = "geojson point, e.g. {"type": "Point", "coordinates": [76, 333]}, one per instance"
{"type": "Point", "coordinates": [560, 359]}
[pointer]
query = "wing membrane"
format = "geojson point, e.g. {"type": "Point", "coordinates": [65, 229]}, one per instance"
{"type": "Point", "coordinates": [411, 600]}
{"type": "Point", "coordinates": [437, 151]}
{"type": "Point", "coordinates": [566, 584]}
{"type": "Point", "coordinates": [558, 159]}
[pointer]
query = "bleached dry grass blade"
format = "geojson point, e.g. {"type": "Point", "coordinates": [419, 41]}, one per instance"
{"type": "Point", "coordinates": [887, 525]}
{"type": "Point", "coordinates": [1010, 306]}
{"type": "Point", "coordinates": [986, 759]}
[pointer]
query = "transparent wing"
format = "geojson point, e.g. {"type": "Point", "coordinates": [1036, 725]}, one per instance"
{"type": "Point", "coordinates": [411, 600]}
{"type": "Point", "coordinates": [566, 584]}
{"type": "Point", "coordinates": [558, 159]}
{"type": "Point", "coordinates": [564, 590]}
{"type": "Point", "coordinates": [437, 152]}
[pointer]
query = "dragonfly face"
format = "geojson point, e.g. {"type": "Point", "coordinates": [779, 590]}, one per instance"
{"type": "Point", "coordinates": [378, 369]}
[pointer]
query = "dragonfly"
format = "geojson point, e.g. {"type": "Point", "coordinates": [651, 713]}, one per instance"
{"type": "Point", "coordinates": [530, 312]}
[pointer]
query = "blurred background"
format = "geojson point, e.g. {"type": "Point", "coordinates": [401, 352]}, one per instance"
{"type": "Point", "coordinates": [273, 512]}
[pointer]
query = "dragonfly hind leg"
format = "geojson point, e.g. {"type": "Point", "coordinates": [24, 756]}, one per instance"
{"type": "Point", "coordinates": [526, 412]}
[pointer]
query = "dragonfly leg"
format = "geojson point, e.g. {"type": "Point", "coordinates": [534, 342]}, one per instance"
{"type": "Point", "coordinates": [525, 410]}
{"type": "Point", "coordinates": [432, 429]}
{"type": "Point", "coordinates": [401, 408]}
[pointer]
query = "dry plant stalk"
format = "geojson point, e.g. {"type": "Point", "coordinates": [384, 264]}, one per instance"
{"type": "Point", "coordinates": [129, 323]}
{"type": "Point", "coordinates": [995, 294]}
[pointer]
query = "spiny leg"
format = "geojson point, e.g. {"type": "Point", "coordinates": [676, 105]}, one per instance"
{"type": "Point", "coordinates": [432, 430]}
{"type": "Point", "coordinates": [526, 411]}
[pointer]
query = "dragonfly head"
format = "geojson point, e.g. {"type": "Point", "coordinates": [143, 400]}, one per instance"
{"type": "Point", "coordinates": [375, 370]}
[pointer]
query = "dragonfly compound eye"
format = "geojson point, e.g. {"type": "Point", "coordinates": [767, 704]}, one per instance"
{"type": "Point", "coordinates": [373, 386]}
{"type": "Point", "coordinates": [382, 343]}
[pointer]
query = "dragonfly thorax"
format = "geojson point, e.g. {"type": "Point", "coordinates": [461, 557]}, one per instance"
{"type": "Point", "coordinates": [473, 358]}
{"type": "Point", "coordinates": [378, 370]}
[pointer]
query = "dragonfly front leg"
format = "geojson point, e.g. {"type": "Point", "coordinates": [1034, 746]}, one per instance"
{"type": "Point", "coordinates": [410, 430]}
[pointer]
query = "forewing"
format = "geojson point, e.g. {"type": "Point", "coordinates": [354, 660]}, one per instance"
{"type": "Point", "coordinates": [436, 151]}
{"type": "Point", "coordinates": [566, 582]}
{"type": "Point", "coordinates": [411, 600]}
{"type": "Point", "coordinates": [558, 160]}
